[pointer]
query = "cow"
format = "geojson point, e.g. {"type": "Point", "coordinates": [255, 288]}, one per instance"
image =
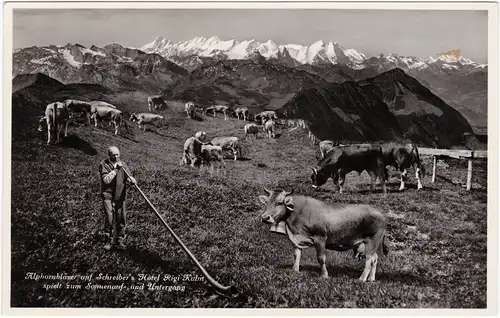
{"type": "Point", "coordinates": [402, 157]}
{"type": "Point", "coordinates": [270, 128]}
{"type": "Point", "coordinates": [79, 107]}
{"type": "Point", "coordinates": [57, 119]}
{"type": "Point", "coordinates": [115, 116]}
{"type": "Point", "coordinates": [190, 109]}
{"type": "Point", "coordinates": [192, 152]}
{"type": "Point", "coordinates": [344, 159]}
{"type": "Point", "coordinates": [309, 222]}
{"type": "Point", "coordinates": [156, 102]}
{"type": "Point", "coordinates": [201, 135]}
{"type": "Point", "coordinates": [265, 115]}
{"type": "Point", "coordinates": [218, 109]}
{"type": "Point", "coordinates": [95, 103]}
{"type": "Point", "coordinates": [147, 119]}
{"type": "Point", "coordinates": [231, 144]}
{"type": "Point", "coordinates": [243, 111]}
{"type": "Point", "coordinates": [251, 129]}
{"type": "Point", "coordinates": [212, 154]}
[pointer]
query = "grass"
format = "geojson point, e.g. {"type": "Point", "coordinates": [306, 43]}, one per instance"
{"type": "Point", "coordinates": [437, 255]}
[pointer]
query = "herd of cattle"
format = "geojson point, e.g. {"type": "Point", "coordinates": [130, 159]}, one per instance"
{"type": "Point", "coordinates": [360, 228]}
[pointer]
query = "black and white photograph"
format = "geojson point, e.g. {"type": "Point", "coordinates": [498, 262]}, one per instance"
{"type": "Point", "coordinates": [291, 156]}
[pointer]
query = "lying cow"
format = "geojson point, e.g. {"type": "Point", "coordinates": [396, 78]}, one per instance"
{"type": "Point", "coordinates": [344, 159]}
{"type": "Point", "coordinates": [113, 115]}
{"type": "Point", "coordinates": [190, 109]}
{"type": "Point", "coordinates": [147, 119]}
{"type": "Point", "coordinates": [79, 107]}
{"type": "Point", "coordinates": [231, 144]}
{"type": "Point", "coordinates": [251, 129]}
{"type": "Point", "coordinates": [309, 222]}
{"type": "Point", "coordinates": [192, 152]}
{"type": "Point", "coordinates": [156, 102]}
{"type": "Point", "coordinates": [212, 155]}
{"type": "Point", "coordinates": [218, 109]}
{"type": "Point", "coordinates": [57, 119]}
{"type": "Point", "coordinates": [270, 128]}
{"type": "Point", "coordinates": [243, 111]}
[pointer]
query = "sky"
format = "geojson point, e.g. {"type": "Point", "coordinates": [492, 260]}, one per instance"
{"type": "Point", "coordinates": [371, 32]}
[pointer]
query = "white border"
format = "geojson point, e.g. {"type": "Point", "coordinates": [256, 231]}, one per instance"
{"type": "Point", "coordinates": [493, 172]}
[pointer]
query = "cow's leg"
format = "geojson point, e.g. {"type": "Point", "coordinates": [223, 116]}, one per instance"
{"type": "Point", "coordinates": [66, 129]}
{"type": "Point", "coordinates": [374, 261]}
{"type": "Point", "coordinates": [342, 175]}
{"type": "Point", "coordinates": [296, 264]}
{"type": "Point", "coordinates": [95, 119]}
{"type": "Point", "coordinates": [49, 132]}
{"type": "Point", "coordinates": [417, 175]}
{"type": "Point", "coordinates": [321, 255]}
{"type": "Point", "coordinates": [403, 179]}
{"type": "Point", "coordinates": [373, 177]}
{"type": "Point", "coordinates": [235, 153]}
{"type": "Point", "coordinates": [116, 127]}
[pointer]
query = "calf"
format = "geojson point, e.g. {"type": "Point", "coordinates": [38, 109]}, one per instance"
{"type": "Point", "coordinates": [57, 119]}
{"type": "Point", "coordinates": [212, 154]}
{"type": "Point", "coordinates": [147, 119]}
{"type": "Point", "coordinates": [344, 159]}
{"type": "Point", "coordinates": [231, 144]}
{"type": "Point", "coordinates": [309, 222]}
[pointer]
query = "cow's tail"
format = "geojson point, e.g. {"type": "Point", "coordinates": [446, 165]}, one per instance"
{"type": "Point", "coordinates": [54, 120]}
{"type": "Point", "coordinates": [383, 244]}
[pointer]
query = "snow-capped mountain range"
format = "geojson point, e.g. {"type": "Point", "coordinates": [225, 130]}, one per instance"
{"type": "Point", "coordinates": [317, 53]}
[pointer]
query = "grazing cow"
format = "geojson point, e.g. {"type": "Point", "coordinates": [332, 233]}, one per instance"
{"type": "Point", "coordinates": [77, 106]}
{"type": "Point", "coordinates": [270, 128]}
{"type": "Point", "coordinates": [192, 152]}
{"type": "Point", "coordinates": [57, 119]}
{"type": "Point", "coordinates": [344, 159]}
{"type": "Point", "coordinates": [266, 115]}
{"type": "Point", "coordinates": [147, 119]}
{"type": "Point", "coordinates": [251, 129]}
{"type": "Point", "coordinates": [156, 102]}
{"type": "Point", "coordinates": [228, 144]}
{"type": "Point", "coordinates": [201, 135]}
{"type": "Point", "coordinates": [190, 109]}
{"type": "Point", "coordinates": [243, 111]}
{"type": "Point", "coordinates": [218, 109]}
{"type": "Point", "coordinates": [101, 112]}
{"type": "Point", "coordinates": [309, 222]}
{"type": "Point", "coordinates": [212, 154]}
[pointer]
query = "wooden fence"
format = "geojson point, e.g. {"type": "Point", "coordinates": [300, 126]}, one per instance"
{"type": "Point", "coordinates": [454, 153]}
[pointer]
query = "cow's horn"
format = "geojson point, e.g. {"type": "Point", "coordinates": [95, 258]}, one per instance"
{"type": "Point", "coordinates": [288, 193]}
{"type": "Point", "coordinates": [268, 191]}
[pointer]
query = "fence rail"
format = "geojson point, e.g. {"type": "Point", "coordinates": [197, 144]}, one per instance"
{"type": "Point", "coordinates": [454, 153]}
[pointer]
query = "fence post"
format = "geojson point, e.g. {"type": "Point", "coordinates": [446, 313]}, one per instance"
{"type": "Point", "coordinates": [434, 169]}
{"type": "Point", "coordinates": [469, 175]}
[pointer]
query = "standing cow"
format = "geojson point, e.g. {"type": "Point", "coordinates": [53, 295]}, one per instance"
{"type": "Point", "coordinates": [402, 157]}
{"type": "Point", "coordinates": [243, 111]}
{"type": "Point", "coordinates": [79, 107]}
{"type": "Point", "coordinates": [218, 109]}
{"type": "Point", "coordinates": [231, 144]}
{"type": "Point", "coordinates": [266, 115]}
{"type": "Point", "coordinates": [57, 119]}
{"type": "Point", "coordinates": [270, 128]}
{"type": "Point", "coordinates": [309, 222]}
{"type": "Point", "coordinates": [113, 115]}
{"type": "Point", "coordinates": [344, 159]}
{"type": "Point", "coordinates": [147, 119]}
{"type": "Point", "coordinates": [156, 102]}
{"type": "Point", "coordinates": [190, 109]}
{"type": "Point", "coordinates": [251, 129]}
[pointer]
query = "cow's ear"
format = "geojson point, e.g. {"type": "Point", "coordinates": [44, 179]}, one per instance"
{"type": "Point", "coordinates": [289, 203]}
{"type": "Point", "coordinates": [263, 199]}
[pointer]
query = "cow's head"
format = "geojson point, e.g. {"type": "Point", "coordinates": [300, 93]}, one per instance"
{"type": "Point", "coordinates": [279, 205]}
{"type": "Point", "coordinates": [318, 177]}
{"type": "Point", "coordinates": [41, 120]}
{"type": "Point", "coordinates": [133, 117]}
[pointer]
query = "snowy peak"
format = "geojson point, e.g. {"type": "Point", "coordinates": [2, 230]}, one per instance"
{"type": "Point", "coordinates": [318, 52]}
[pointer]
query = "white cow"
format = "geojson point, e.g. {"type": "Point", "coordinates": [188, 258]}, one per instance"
{"type": "Point", "coordinates": [57, 119]}
{"type": "Point", "coordinates": [147, 119]}
{"type": "Point", "coordinates": [218, 109]}
{"type": "Point", "coordinates": [107, 113]}
{"type": "Point", "coordinates": [270, 128]}
{"type": "Point", "coordinates": [251, 129]}
{"type": "Point", "coordinates": [190, 109]}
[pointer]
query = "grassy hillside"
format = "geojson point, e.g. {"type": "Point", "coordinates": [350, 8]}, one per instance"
{"type": "Point", "coordinates": [437, 236]}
